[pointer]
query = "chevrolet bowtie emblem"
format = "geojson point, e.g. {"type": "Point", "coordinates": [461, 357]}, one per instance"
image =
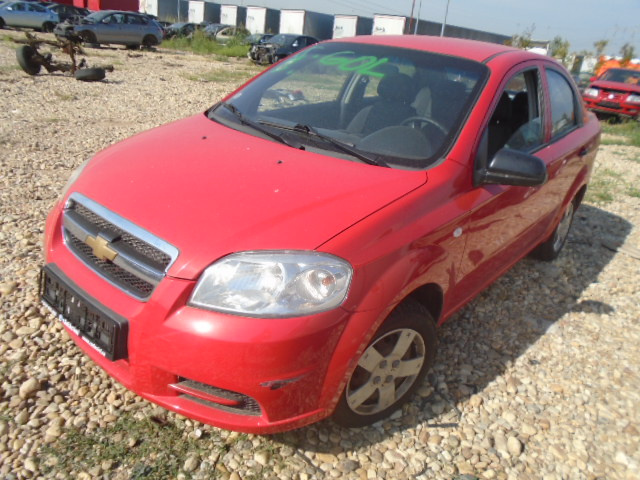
{"type": "Point", "coordinates": [100, 248]}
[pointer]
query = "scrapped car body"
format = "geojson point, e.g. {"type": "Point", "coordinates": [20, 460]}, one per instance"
{"type": "Point", "coordinates": [28, 15]}
{"type": "Point", "coordinates": [616, 92]}
{"type": "Point", "coordinates": [278, 47]}
{"type": "Point", "coordinates": [315, 226]}
{"type": "Point", "coordinates": [115, 27]}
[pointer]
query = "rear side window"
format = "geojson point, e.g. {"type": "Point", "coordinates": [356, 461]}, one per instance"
{"type": "Point", "coordinates": [563, 104]}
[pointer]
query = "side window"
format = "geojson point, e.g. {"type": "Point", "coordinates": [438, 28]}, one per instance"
{"type": "Point", "coordinates": [516, 122]}
{"type": "Point", "coordinates": [563, 104]}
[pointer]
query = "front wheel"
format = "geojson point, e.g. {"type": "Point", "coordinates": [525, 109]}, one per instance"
{"type": "Point", "coordinates": [550, 249]}
{"type": "Point", "coordinates": [88, 37]}
{"type": "Point", "coordinates": [391, 367]}
{"type": "Point", "coordinates": [48, 27]}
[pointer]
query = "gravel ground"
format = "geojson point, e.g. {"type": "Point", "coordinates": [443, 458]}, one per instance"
{"type": "Point", "coordinates": [539, 377]}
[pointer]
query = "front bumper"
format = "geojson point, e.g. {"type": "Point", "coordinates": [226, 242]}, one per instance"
{"type": "Point", "coordinates": [245, 374]}
{"type": "Point", "coordinates": [613, 108]}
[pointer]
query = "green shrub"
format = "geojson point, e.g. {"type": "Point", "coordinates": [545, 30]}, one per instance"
{"type": "Point", "coordinates": [203, 45]}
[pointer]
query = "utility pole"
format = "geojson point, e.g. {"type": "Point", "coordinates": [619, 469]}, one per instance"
{"type": "Point", "coordinates": [444, 24]}
{"type": "Point", "coordinates": [413, 4]}
{"type": "Point", "coordinates": [415, 29]}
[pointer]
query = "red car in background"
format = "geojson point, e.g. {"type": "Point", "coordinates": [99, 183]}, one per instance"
{"type": "Point", "coordinates": [288, 254]}
{"type": "Point", "coordinates": [616, 92]}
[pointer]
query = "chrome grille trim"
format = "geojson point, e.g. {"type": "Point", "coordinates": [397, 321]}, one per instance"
{"type": "Point", "coordinates": [142, 258]}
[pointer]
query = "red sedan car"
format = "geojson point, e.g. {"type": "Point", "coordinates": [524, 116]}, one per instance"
{"type": "Point", "coordinates": [288, 254]}
{"type": "Point", "coordinates": [616, 92]}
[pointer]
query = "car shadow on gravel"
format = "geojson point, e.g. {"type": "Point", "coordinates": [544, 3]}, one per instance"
{"type": "Point", "coordinates": [479, 342]}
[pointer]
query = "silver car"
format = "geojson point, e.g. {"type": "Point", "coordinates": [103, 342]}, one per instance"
{"type": "Point", "coordinates": [122, 28]}
{"type": "Point", "coordinates": [27, 14]}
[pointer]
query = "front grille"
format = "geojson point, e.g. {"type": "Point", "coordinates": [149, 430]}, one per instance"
{"type": "Point", "coordinates": [117, 275]}
{"type": "Point", "coordinates": [141, 259]}
{"type": "Point", "coordinates": [609, 105]}
{"type": "Point", "coordinates": [215, 397]}
{"type": "Point", "coordinates": [154, 254]}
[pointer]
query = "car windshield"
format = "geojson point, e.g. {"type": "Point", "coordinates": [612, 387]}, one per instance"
{"type": "Point", "coordinates": [398, 107]}
{"type": "Point", "coordinates": [282, 39]}
{"type": "Point", "coordinates": [631, 77]}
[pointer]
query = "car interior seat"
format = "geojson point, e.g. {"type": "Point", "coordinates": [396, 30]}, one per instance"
{"type": "Point", "coordinates": [395, 93]}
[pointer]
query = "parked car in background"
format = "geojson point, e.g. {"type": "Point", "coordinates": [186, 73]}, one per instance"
{"type": "Point", "coordinates": [66, 12]}
{"type": "Point", "coordinates": [616, 93]}
{"type": "Point", "coordinates": [279, 259]}
{"type": "Point", "coordinates": [29, 15]}
{"type": "Point", "coordinates": [115, 27]}
{"type": "Point", "coordinates": [280, 46]}
{"type": "Point", "coordinates": [182, 29]}
{"type": "Point", "coordinates": [258, 38]}
{"type": "Point", "coordinates": [226, 34]}
{"type": "Point", "coordinates": [212, 29]}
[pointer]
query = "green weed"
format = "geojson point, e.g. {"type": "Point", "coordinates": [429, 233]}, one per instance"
{"type": "Point", "coordinates": [203, 45]}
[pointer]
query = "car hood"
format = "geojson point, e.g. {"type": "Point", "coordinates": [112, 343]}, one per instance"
{"type": "Point", "coordinates": [210, 191]}
{"type": "Point", "coordinates": [627, 87]}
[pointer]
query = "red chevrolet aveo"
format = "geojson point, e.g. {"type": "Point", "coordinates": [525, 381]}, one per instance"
{"type": "Point", "coordinates": [287, 255]}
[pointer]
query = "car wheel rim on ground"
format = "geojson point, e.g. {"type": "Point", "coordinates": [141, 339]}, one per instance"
{"type": "Point", "coordinates": [386, 371]}
{"type": "Point", "coordinates": [563, 228]}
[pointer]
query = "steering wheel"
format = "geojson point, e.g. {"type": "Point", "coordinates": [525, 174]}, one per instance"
{"type": "Point", "coordinates": [418, 121]}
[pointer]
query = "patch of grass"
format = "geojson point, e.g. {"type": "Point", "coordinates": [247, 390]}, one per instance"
{"type": "Point", "coordinates": [600, 190]}
{"type": "Point", "coordinates": [203, 45]}
{"type": "Point", "coordinates": [144, 448]}
{"type": "Point", "coordinates": [630, 130]}
{"type": "Point", "coordinates": [64, 96]}
{"type": "Point", "coordinates": [611, 173]}
{"type": "Point", "coordinates": [6, 69]}
{"type": "Point", "coordinates": [215, 76]}
{"type": "Point", "coordinates": [633, 192]}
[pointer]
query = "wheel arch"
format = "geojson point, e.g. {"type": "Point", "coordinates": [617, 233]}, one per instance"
{"type": "Point", "coordinates": [431, 297]}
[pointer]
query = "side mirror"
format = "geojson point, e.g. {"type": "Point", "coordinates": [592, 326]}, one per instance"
{"type": "Point", "coordinates": [512, 167]}
{"type": "Point", "coordinates": [593, 79]}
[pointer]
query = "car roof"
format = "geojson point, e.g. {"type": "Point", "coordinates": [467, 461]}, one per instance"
{"type": "Point", "coordinates": [471, 49]}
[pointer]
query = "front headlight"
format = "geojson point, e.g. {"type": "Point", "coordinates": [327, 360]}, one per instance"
{"type": "Point", "coordinates": [633, 98]}
{"type": "Point", "coordinates": [273, 284]}
{"type": "Point", "coordinates": [591, 92]}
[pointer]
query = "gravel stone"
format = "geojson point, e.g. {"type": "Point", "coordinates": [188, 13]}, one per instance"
{"type": "Point", "coordinates": [537, 378]}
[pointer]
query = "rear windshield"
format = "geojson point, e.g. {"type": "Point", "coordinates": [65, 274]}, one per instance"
{"type": "Point", "coordinates": [403, 107]}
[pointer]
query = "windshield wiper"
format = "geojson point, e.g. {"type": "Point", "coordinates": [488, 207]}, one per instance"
{"type": "Point", "coordinates": [256, 126]}
{"type": "Point", "coordinates": [342, 146]}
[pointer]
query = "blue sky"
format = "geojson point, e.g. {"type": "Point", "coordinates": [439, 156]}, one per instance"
{"type": "Point", "coordinates": [582, 22]}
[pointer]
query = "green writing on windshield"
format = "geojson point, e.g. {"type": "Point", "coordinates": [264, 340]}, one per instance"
{"type": "Point", "coordinates": [345, 61]}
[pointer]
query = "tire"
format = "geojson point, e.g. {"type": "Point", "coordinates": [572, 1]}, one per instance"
{"type": "Point", "coordinates": [25, 56]}
{"type": "Point", "coordinates": [48, 27]}
{"type": "Point", "coordinates": [88, 37]}
{"type": "Point", "coordinates": [551, 248]}
{"type": "Point", "coordinates": [2, 25]}
{"type": "Point", "coordinates": [391, 367]}
{"type": "Point", "coordinates": [149, 41]}
{"type": "Point", "coordinates": [90, 74]}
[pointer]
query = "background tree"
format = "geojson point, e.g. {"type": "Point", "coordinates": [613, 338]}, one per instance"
{"type": "Point", "coordinates": [627, 52]}
{"type": "Point", "coordinates": [522, 40]}
{"type": "Point", "coordinates": [600, 45]}
{"type": "Point", "coordinates": [559, 48]}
